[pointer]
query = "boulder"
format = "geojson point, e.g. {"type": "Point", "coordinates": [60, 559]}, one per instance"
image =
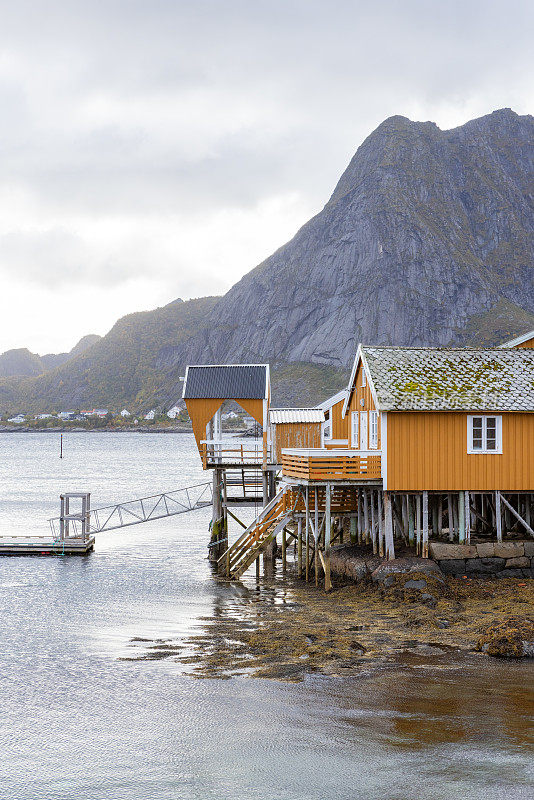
{"type": "Point", "coordinates": [453, 566]}
{"type": "Point", "coordinates": [403, 566]}
{"type": "Point", "coordinates": [509, 549]}
{"type": "Point", "coordinates": [485, 549]}
{"type": "Point", "coordinates": [443, 550]}
{"type": "Point", "coordinates": [519, 562]}
{"type": "Point", "coordinates": [485, 566]}
{"type": "Point", "coordinates": [509, 638]}
{"type": "Point", "coordinates": [529, 548]}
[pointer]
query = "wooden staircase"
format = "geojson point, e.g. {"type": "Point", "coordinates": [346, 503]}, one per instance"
{"type": "Point", "coordinates": [253, 541]}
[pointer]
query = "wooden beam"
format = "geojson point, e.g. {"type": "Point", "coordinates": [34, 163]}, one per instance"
{"type": "Point", "coordinates": [520, 519]}
{"type": "Point", "coordinates": [388, 524]}
{"type": "Point", "coordinates": [327, 537]}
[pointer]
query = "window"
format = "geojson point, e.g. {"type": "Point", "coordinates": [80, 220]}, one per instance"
{"type": "Point", "coordinates": [363, 430]}
{"type": "Point", "coordinates": [327, 426]}
{"type": "Point", "coordinates": [364, 377]}
{"type": "Point", "coordinates": [354, 429]}
{"type": "Point", "coordinates": [484, 434]}
{"type": "Point", "coordinates": [373, 430]}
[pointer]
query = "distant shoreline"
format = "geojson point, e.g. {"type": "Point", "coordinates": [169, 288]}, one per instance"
{"type": "Point", "coordinates": [137, 429]}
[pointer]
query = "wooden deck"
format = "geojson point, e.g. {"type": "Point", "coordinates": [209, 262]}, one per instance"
{"type": "Point", "coordinates": [226, 454]}
{"type": "Point", "coordinates": [332, 465]}
{"type": "Point", "coordinates": [45, 546]}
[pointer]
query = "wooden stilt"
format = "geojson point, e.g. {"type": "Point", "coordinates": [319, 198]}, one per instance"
{"type": "Point", "coordinates": [498, 516]}
{"type": "Point", "coordinates": [424, 551]}
{"type": "Point", "coordinates": [418, 524]}
{"type": "Point", "coordinates": [461, 517]}
{"type": "Point", "coordinates": [327, 537]}
{"type": "Point", "coordinates": [366, 516]}
{"type": "Point", "coordinates": [316, 537]}
{"type": "Point", "coordinates": [411, 521]}
{"type": "Point", "coordinates": [307, 534]}
{"type": "Point", "coordinates": [467, 518]}
{"type": "Point", "coordinates": [381, 548]}
{"type": "Point", "coordinates": [373, 522]}
{"type": "Point", "coordinates": [388, 525]}
{"type": "Point", "coordinates": [299, 546]}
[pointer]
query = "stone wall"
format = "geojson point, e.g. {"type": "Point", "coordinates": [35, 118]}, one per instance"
{"type": "Point", "coordinates": [510, 559]}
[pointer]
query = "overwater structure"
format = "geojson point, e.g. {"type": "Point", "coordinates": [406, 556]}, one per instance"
{"type": "Point", "coordinates": [426, 449]}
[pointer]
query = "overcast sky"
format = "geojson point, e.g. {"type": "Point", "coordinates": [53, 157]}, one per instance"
{"type": "Point", "coordinates": [155, 149]}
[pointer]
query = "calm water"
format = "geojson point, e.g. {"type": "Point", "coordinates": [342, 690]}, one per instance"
{"type": "Point", "coordinates": [77, 723]}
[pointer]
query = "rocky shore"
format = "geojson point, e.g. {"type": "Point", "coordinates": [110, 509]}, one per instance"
{"type": "Point", "coordinates": [286, 629]}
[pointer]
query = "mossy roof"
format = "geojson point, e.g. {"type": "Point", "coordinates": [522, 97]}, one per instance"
{"type": "Point", "coordinates": [446, 379]}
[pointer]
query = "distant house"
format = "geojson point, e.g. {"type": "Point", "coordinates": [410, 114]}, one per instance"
{"type": "Point", "coordinates": [66, 415]}
{"type": "Point", "coordinates": [125, 413]}
{"type": "Point", "coordinates": [100, 412]}
{"type": "Point", "coordinates": [173, 412]}
{"type": "Point", "coordinates": [43, 416]}
{"type": "Point", "coordinates": [230, 415]}
{"type": "Point", "coordinates": [151, 414]}
{"type": "Point", "coordinates": [18, 419]}
{"type": "Point", "coordinates": [249, 422]}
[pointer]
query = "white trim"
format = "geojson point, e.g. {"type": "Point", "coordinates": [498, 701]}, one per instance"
{"type": "Point", "coordinates": [332, 401]}
{"type": "Point", "coordinates": [319, 452]}
{"type": "Point", "coordinates": [373, 423]}
{"type": "Point", "coordinates": [384, 449]}
{"type": "Point", "coordinates": [364, 430]}
{"type": "Point", "coordinates": [337, 442]}
{"type": "Point", "coordinates": [360, 356]}
{"type": "Point", "coordinates": [498, 435]}
{"type": "Point", "coordinates": [185, 383]}
{"type": "Point", "coordinates": [354, 439]}
{"type": "Point", "coordinates": [519, 340]}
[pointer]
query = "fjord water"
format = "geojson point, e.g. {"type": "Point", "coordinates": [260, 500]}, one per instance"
{"type": "Point", "coordinates": [77, 722]}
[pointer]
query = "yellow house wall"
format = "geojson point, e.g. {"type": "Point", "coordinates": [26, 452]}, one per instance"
{"type": "Point", "coordinates": [429, 451]}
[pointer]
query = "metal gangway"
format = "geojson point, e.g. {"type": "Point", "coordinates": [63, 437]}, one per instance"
{"type": "Point", "coordinates": [133, 512]}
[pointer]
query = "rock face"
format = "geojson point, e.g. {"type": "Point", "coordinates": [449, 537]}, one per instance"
{"type": "Point", "coordinates": [426, 240]}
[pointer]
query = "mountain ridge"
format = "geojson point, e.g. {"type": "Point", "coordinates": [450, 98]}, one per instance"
{"type": "Point", "coordinates": [426, 239]}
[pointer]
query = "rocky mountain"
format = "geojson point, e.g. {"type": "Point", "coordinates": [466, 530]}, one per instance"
{"type": "Point", "coordinates": [22, 363]}
{"type": "Point", "coordinates": [427, 239]}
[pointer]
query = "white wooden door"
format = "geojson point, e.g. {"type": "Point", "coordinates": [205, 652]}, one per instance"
{"type": "Point", "coordinates": [363, 431]}
{"type": "Point", "coordinates": [354, 429]}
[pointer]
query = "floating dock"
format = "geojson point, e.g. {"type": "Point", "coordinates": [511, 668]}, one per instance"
{"type": "Point", "coordinates": [45, 546]}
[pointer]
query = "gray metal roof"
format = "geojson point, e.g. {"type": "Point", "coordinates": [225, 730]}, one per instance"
{"type": "Point", "coordinates": [226, 381]}
{"type": "Point", "coordinates": [444, 379]}
{"type": "Point", "coordinates": [281, 415]}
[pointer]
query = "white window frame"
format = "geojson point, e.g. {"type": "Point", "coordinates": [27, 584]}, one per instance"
{"type": "Point", "coordinates": [498, 435]}
{"type": "Point", "coordinates": [355, 429]}
{"type": "Point", "coordinates": [373, 430]}
{"type": "Point", "coordinates": [364, 430]}
{"type": "Point", "coordinates": [364, 378]}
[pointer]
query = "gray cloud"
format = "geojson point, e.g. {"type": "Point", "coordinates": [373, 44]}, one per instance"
{"type": "Point", "coordinates": [121, 113]}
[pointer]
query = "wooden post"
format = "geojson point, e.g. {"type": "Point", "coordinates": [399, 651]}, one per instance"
{"type": "Point", "coordinates": [381, 549]}
{"type": "Point", "coordinates": [435, 517]}
{"type": "Point", "coordinates": [284, 546]}
{"type": "Point", "coordinates": [359, 516]}
{"type": "Point", "coordinates": [316, 537]}
{"type": "Point", "coordinates": [299, 545]}
{"type": "Point", "coordinates": [467, 518]}
{"type": "Point", "coordinates": [388, 524]}
{"type": "Point", "coordinates": [424, 552]}
{"type": "Point", "coordinates": [353, 530]}
{"type": "Point", "coordinates": [327, 537]}
{"type": "Point", "coordinates": [440, 516]}
{"type": "Point", "coordinates": [411, 521]}
{"type": "Point", "coordinates": [498, 516]}
{"type": "Point", "coordinates": [307, 534]}
{"type": "Point", "coordinates": [461, 517]}
{"type": "Point", "coordinates": [366, 516]}
{"type": "Point", "coordinates": [373, 522]}
{"type": "Point", "coordinates": [418, 524]}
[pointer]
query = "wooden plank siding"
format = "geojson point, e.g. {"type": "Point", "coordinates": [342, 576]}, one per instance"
{"type": "Point", "coordinates": [528, 343]}
{"type": "Point", "coordinates": [361, 392]}
{"type": "Point", "coordinates": [202, 410]}
{"type": "Point", "coordinates": [340, 426]}
{"type": "Point", "coordinates": [294, 434]}
{"type": "Point", "coordinates": [339, 467]}
{"type": "Point", "coordinates": [428, 451]}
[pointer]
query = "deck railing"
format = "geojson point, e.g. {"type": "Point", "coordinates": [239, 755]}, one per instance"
{"type": "Point", "coordinates": [331, 465]}
{"type": "Point", "coordinates": [214, 452]}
